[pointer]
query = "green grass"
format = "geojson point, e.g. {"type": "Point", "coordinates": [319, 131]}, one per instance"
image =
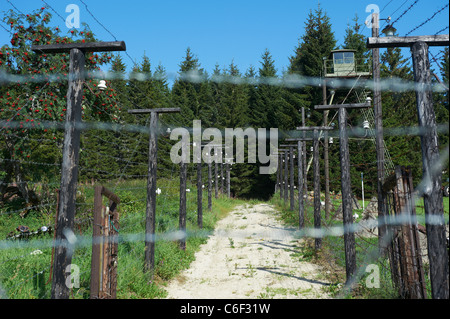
{"type": "Point", "coordinates": [24, 275]}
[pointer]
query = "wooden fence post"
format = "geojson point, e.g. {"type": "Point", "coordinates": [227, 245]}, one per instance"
{"type": "Point", "coordinates": [316, 166]}
{"type": "Point", "coordinates": [282, 172]}
{"type": "Point", "coordinates": [433, 203]}
{"type": "Point", "coordinates": [216, 179]}
{"type": "Point", "coordinates": [183, 178]}
{"type": "Point", "coordinates": [103, 283]}
{"type": "Point", "coordinates": [317, 217]}
{"type": "Point", "coordinates": [277, 183]}
{"type": "Point", "coordinates": [347, 212]}
{"type": "Point", "coordinates": [199, 196]}
{"type": "Point", "coordinates": [228, 181]}
{"type": "Point", "coordinates": [150, 219]}
{"type": "Point", "coordinates": [432, 172]}
{"type": "Point", "coordinates": [291, 182]}
{"type": "Point", "coordinates": [301, 179]}
{"type": "Point", "coordinates": [286, 175]}
{"type": "Point", "coordinates": [344, 158]}
{"type": "Point", "coordinates": [301, 208]}
{"type": "Point", "coordinates": [209, 186]}
{"type": "Point", "coordinates": [96, 240]}
{"type": "Point", "coordinates": [69, 169]}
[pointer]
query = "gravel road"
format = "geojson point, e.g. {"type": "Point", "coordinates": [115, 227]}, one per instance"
{"type": "Point", "coordinates": [250, 255]}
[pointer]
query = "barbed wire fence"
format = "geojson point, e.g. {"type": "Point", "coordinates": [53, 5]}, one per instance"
{"type": "Point", "coordinates": [36, 243]}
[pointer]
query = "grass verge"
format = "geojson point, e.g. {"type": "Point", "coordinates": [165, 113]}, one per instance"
{"type": "Point", "coordinates": [25, 265]}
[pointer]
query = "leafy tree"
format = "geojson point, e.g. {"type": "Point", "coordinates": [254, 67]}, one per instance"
{"type": "Point", "coordinates": [38, 96]}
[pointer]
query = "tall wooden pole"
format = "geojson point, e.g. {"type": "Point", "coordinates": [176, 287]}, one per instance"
{"type": "Point", "coordinates": [291, 182]}
{"type": "Point", "coordinates": [277, 184]}
{"type": "Point", "coordinates": [325, 152]}
{"type": "Point", "coordinates": [281, 175]}
{"type": "Point", "coordinates": [199, 196]}
{"type": "Point", "coordinates": [301, 189]}
{"type": "Point", "coordinates": [228, 181]}
{"type": "Point", "coordinates": [150, 218]}
{"type": "Point", "coordinates": [379, 140]}
{"type": "Point", "coordinates": [69, 169]}
{"type": "Point", "coordinates": [69, 174]}
{"type": "Point", "coordinates": [349, 235]}
{"type": "Point", "coordinates": [432, 170]}
{"type": "Point", "coordinates": [222, 177]}
{"type": "Point", "coordinates": [182, 215]}
{"type": "Point", "coordinates": [301, 208]}
{"type": "Point", "coordinates": [317, 222]}
{"type": "Point", "coordinates": [286, 175]}
{"type": "Point", "coordinates": [344, 158]}
{"type": "Point", "coordinates": [216, 180]}
{"type": "Point", "coordinates": [304, 165]}
{"type": "Point", "coordinates": [209, 186]}
{"type": "Point", "coordinates": [316, 175]}
{"type": "Point", "coordinates": [290, 150]}
{"type": "Point", "coordinates": [432, 174]}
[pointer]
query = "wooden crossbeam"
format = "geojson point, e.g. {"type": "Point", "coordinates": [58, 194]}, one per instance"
{"type": "Point", "coordinates": [296, 139]}
{"type": "Point", "coordinates": [393, 42]}
{"type": "Point", "coordinates": [346, 106]}
{"type": "Point", "coordinates": [85, 47]}
{"type": "Point", "coordinates": [312, 128]}
{"type": "Point", "coordinates": [156, 110]}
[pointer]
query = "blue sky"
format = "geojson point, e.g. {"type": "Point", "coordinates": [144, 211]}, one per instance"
{"type": "Point", "coordinates": [220, 32]}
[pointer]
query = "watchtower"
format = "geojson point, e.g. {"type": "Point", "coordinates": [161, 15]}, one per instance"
{"type": "Point", "coordinates": [343, 64]}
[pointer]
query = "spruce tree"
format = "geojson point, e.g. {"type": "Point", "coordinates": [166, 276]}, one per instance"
{"type": "Point", "coordinates": [316, 44]}
{"type": "Point", "coordinates": [185, 89]}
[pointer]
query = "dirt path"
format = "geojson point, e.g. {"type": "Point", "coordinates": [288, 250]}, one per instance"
{"type": "Point", "coordinates": [249, 256]}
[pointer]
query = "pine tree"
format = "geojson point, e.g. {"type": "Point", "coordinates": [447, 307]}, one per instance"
{"type": "Point", "coordinates": [356, 41]}
{"type": "Point", "coordinates": [185, 89]}
{"type": "Point", "coordinates": [268, 96]}
{"type": "Point", "coordinates": [234, 106]}
{"type": "Point", "coordinates": [316, 44]}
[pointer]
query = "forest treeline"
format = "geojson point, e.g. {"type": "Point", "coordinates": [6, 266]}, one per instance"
{"type": "Point", "coordinates": [31, 150]}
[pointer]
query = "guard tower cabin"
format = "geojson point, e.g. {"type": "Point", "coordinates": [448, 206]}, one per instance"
{"type": "Point", "coordinates": [343, 64]}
